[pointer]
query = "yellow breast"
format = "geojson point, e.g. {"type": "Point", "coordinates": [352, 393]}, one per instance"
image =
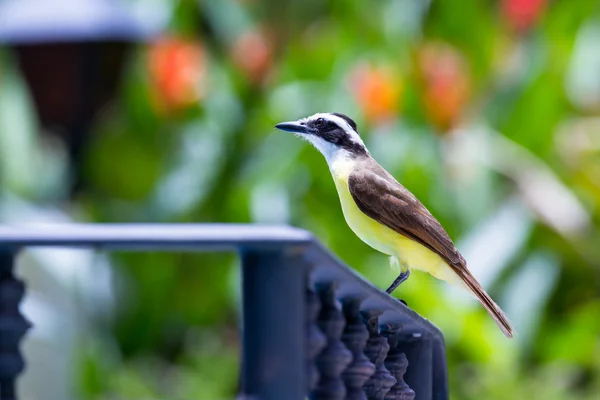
{"type": "Point", "coordinates": [379, 236]}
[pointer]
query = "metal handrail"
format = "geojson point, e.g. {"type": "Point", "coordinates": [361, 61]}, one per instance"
{"type": "Point", "coordinates": [282, 268]}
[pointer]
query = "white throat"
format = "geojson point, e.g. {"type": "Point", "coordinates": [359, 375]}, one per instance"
{"type": "Point", "coordinates": [330, 151]}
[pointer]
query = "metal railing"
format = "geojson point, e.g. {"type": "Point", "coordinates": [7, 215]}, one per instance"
{"type": "Point", "coordinates": [311, 326]}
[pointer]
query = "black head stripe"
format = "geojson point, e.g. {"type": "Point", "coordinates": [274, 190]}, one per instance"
{"type": "Point", "coordinates": [329, 126]}
{"type": "Point", "coordinates": [349, 120]}
{"type": "Point", "coordinates": [331, 132]}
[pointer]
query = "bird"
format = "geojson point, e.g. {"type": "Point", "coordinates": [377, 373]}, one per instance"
{"type": "Point", "coordinates": [384, 214]}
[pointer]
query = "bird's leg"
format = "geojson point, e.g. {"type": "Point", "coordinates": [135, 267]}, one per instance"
{"type": "Point", "coordinates": [401, 278]}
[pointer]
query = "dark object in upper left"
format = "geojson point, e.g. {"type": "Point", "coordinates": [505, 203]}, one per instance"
{"type": "Point", "coordinates": [71, 54]}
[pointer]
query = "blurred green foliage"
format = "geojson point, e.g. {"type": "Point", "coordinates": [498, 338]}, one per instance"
{"type": "Point", "coordinates": [481, 108]}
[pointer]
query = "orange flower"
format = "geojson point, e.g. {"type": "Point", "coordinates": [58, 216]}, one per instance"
{"type": "Point", "coordinates": [376, 90]}
{"type": "Point", "coordinates": [446, 81]}
{"type": "Point", "coordinates": [177, 69]}
{"type": "Point", "coordinates": [252, 53]}
{"type": "Point", "coordinates": [522, 14]}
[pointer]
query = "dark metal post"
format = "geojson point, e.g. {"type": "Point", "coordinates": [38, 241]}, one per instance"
{"type": "Point", "coordinates": [440, 370]}
{"type": "Point", "coordinates": [12, 327]}
{"type": "Point", "coordinates": [274, 327]}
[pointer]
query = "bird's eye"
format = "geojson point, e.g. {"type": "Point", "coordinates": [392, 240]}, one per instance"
{"type": "Point", "coordinates": [319, 122]}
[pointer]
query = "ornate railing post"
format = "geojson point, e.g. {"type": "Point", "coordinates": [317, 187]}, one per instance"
{"type": "Point", "coordinates": [334, 358]}
{"type": "Point", "coordinates": [355, 338]}
{"type": "Point", "coordinates": [12, 326]}
{"type": "Point", "coordinates": [396, 362]}
{"type": "Point", "coordinates": [376, 350]}
{"type": "Point", "coordinates": [295, 339]}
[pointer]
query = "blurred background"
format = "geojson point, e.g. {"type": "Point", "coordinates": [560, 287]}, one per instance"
{"type": "Point", "coordinates": [163, 111]}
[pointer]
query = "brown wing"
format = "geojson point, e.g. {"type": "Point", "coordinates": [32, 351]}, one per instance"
{"type": "Point", "coordinates": [392, 205]}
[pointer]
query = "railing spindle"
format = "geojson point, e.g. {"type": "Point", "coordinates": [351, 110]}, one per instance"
{"type": "Point", "coordinates": [355, 337]}
{"type": "Point", "coordinates": [335, 357]}
{"type": "Point", "coordinates": [316, 339]}
{"type": "Point", "coordinates": [13, 327]}
{"type": "Point", "coordinates": [376, 350]}
{"type": "Point", "coordinates": [397, 363]}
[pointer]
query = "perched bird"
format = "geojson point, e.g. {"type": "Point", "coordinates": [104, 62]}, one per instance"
{"type": "Point", "coordinates": [383, 213]}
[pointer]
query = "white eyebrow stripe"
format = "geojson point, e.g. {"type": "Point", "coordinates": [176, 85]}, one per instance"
{"type": "Point", "coordinates": [341, 122]}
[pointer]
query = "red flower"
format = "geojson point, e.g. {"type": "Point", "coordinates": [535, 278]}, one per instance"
{"type": "Point", "coordinates": [177, 68]}
{"type": "Point", "coordinates": [376, 90]}
{"type": "Point", "coordinates": [252, 53]}
{"type": "Point", "coordinates": [446, 83]}
{"type": "Point", "coordinates": [522, 14]}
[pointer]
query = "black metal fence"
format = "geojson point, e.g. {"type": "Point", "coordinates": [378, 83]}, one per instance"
{"type": "Point", "coordinates": [312, 327]}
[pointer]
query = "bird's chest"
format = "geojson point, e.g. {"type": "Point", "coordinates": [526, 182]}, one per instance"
{"type": "Point", "coordinates": [367, 229]}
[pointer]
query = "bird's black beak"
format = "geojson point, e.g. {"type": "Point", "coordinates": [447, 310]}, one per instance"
{"type": "Point", "coordinates": [293, 126]}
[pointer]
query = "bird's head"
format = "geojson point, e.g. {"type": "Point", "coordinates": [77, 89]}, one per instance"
{"type": "Point", "coordinates": [331, 133]}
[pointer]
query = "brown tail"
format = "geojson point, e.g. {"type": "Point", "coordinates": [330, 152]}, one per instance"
{"type": "Point", "coordinates": [492, 308]}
